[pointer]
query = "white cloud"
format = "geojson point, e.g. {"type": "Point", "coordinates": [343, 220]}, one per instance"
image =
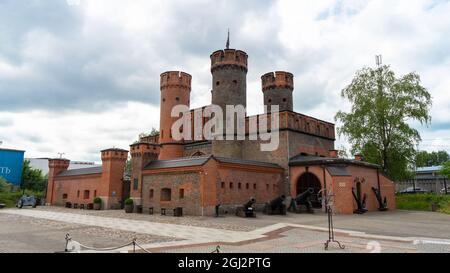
{"type": "Point", "coordinates": [84, 77]}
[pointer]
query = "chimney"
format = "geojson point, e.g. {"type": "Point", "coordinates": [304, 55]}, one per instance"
{"type": "Point", "coordinates": [334, 153]}
{"type": "Point", "coordinates": [358, 157]}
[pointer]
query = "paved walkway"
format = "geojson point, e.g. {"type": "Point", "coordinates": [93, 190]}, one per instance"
{"type": "Point", "coordinates": [193, 237]}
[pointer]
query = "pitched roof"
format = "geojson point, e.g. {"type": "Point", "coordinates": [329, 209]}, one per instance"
{"type": "Point", "coordinates": [247, 162]}
{"type": "Point", "coordinates": [199, 161]}
{"type": "Point", "coordinates": [302, 160]}
{"type": "Point", "coordinates": [177, 163]}
{"type": "Point", "coordinates": [338, 171]}
{"type": "Point", "coordinates": [83, 171]}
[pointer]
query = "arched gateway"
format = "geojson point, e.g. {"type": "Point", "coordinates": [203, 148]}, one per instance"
{"type": "Point", "coordinates": [309, 180]}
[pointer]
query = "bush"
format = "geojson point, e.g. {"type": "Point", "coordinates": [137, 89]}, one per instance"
{"type": "Point", "coordinates": [422, 202]}
{"type": "Point", "coordinates": [97, 200]}
{"type": "Point", "coordinates": [129, 201]}
{"type": "Point", "coordinates": [4, 186]}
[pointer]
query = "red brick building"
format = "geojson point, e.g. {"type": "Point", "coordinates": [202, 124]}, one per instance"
{"type": "Point", "coordinates": [199, 174]}
{"type": "Point", "coordinates": [81, 186]}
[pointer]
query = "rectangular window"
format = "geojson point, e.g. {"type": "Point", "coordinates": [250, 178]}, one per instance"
{"type": "Point", "coordinates": [86, 194]}
{"type": "Point", "coordinates": [78, 194]}
{"type": "Point", "coordinates": [152, 192]}
{"type": "Point", "coordinates": [239, 186]}
{"type": "Point", "coordinates": [65, 196]}
{"type": "Point", "coordinates": [181, 193]}
{"type": "Point", "coordinates": [95, 193]}
{"type": "Point", "coordinates": [254, 186]}
{"type": "Point", "coordinates": [231, 185]}
{"type": "Point", "coordinates": [247, 186]}
{"type": "Point", "coordinates": [135, 184]}
{"type": "Point", "coordinates": [223, 185]}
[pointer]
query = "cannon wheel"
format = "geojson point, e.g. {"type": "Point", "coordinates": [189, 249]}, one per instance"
{"type": "Point", "coordinates": [20, 204]}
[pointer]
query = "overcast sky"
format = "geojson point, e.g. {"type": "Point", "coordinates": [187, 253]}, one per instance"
{"type": "Point", "coordinates": [78, 76]}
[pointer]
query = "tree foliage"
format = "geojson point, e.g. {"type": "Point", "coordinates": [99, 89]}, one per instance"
{"type": "Point", "coordinates": [378, 123]}
{"type": "Point", "coordinates": [445, 170]}
{"type": "Point", "coordinates": [426, 159]}
{"type": "Point", "coordinates": [32, 179]}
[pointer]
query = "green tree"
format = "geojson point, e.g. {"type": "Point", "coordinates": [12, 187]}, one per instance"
{"type": "Point", "coordinates": [32, 179]}
{"type": "Point", "coordinates": [425, 159]}
{"type": "Point", "coordinates": [445, 169]}
{"type": "Point", "coordinates": [377, 126]}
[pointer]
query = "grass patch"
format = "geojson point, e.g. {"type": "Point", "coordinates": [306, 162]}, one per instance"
{"type": "Point", "coordinates": [422, 202]}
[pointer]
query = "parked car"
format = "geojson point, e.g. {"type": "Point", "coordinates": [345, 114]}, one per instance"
{"type": "Point", "coordinates": [412, 190]}
{"type": "Point", "coordinates": [443, 190]}
{"type": "Point", "coordinates": [26, 200]}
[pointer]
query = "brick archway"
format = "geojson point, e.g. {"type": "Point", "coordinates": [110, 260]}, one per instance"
{"type": "Point", "coordinates": [309, 180]}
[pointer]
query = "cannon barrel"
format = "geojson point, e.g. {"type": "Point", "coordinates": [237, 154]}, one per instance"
{"type": "Point", "coordinates": [250, 203]}
{"type": "Point", "coordinates": [302, 197]}
{"type": "Point", "coordinates": [277, 202]}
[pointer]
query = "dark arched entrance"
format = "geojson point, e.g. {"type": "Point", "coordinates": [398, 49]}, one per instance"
{"type": "Point", "coordinates": [309, 180]}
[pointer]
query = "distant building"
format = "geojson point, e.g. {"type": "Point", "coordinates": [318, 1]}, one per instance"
{"type": "Point", "coordinates": [11, 165]}
{"type": "Point", "coordinates": [426, 178]}
{"type": "Point", "coordinates": [42, 164]}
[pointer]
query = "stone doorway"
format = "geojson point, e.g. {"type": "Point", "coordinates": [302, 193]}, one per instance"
{"type": "Point", "coordinates": [309, 180]}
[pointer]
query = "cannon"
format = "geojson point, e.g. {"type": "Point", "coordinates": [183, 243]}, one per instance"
{"type": "Point", "coordinates": [276, 206]}
{"type": "Point", "coordinates": [382, 204]}
{"type": "Point", "coordinates": [247, 209]}
{"type": "Point", "coordinates": [303, 199]}
{"type": "Point", "coordinates": [26, 200]}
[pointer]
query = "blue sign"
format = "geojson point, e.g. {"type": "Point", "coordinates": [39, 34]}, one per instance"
{"type": "Point", "coordinates": [11, 165]}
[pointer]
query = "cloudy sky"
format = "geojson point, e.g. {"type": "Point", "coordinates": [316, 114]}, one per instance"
{"type": "Point", "coordinates": [78, 76]}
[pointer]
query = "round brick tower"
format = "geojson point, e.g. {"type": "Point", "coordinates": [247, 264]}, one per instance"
{"type": "Point", "coordinates": [175, 90]}
{"type": "Point", "coordinates": [277, 88]}
{"type": "Point", "coordinates": [229, 81]}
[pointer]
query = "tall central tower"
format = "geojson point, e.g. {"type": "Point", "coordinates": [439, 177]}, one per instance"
{"type": "Point", "coordinates": [229, 87]}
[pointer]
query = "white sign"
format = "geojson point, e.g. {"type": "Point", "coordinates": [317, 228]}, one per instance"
{"type": "Point", "coordinates": [342, 184]}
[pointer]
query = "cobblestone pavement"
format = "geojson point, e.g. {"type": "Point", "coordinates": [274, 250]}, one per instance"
{"type": "Point", "coordinates": [22, 234]}
{"type": "Point", "coordinates": [308, 241]}
{"type": "Point", "coordinates": [291, 233]}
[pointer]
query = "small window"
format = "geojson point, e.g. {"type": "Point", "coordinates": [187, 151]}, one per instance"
{"type": "Point", "coordinates": [86, 194]}
{"type": "Point", "coordinates": [231, 185]}
{"type": "Point", "coordinates": [270, 100]}
{"type": "Point", "coordinates": [135, 184]}
{"type": "Point", "coordinates": [78, 194]}
{"type": "Point", "coordinates": [239, 185]}
{"type": "Point", "coordinates": [181, 193]}
{"type": "Point", "coordinates": [166, 194]}
{"type": "Point", "coordinates": [247, 186]}
{"type": "Point", "coordinates": [254, 186]}
{"type": "Point", "coordinates": [267, 187]}
{"type": "Point", "coordinates": [65, 196]}
{"type": "Point", "coordinates": [235, 81]}
{"type": "Point", "coordinates": [217, 83]}
{"type": "Point", "coordinates": [284, 100]}
{"type": "Point", "coordinates": [223, 185]}
{"type": "Point", "coordinates": [152, 193]}
{"type": "Point", "coordinates": [95, 193]}
{"type": "Point", "coordinates": [164, 100]}
{"type": "Point", "coordinates": [177, 99]}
